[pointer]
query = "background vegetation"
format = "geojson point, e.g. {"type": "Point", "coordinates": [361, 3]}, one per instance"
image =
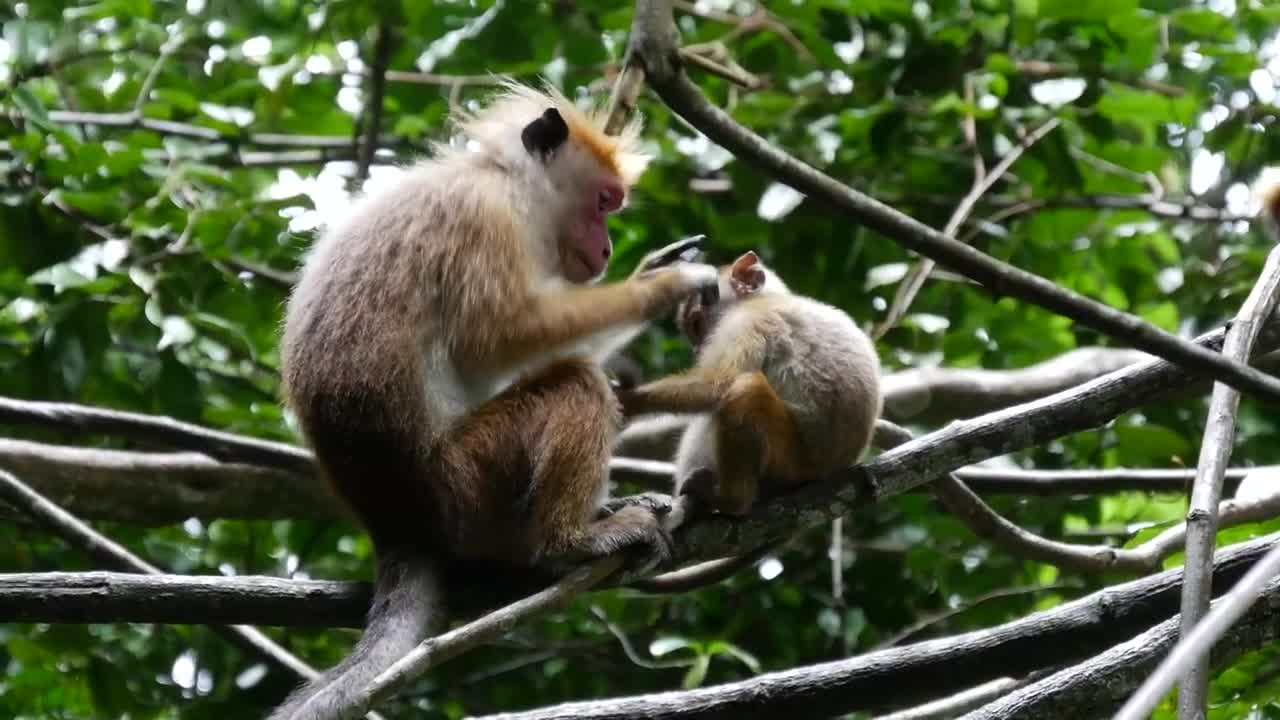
{"type": "Point", "coordinates": [143, 266]}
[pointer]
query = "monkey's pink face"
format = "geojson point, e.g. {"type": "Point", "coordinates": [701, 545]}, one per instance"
{"type": "Point", "coordinates": [586, 249]}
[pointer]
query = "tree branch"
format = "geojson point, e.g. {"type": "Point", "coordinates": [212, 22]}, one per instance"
{"type": "Point", "coordinates": [983, 181]}
{"type": "Point", "coordinates": [163, 488]}
{"type": "Point", "coordinates": [1097, 686]}
{"type": "Point", "coordinates": [929, 457]}
{"type": "Point", "coordinates": [1185, 210]}
{"type": "Point", "coordinates": [1215, 454]}
{"type": "Point", "coordinates": [442, 648]}
{"type": "Point", "coordinates": [382, 47]}
{"type": "Point", "coordinates": [109, 597]}
{"type": "Point", "coordinates": [931, 395]}
{"type": "Point", "coordinates": [653, 44]}
{"type": "Point", "coordinates": [986, 523]}
{"type": "Point", "coordinates": [890, 678]}
{"type": "Point", "coordinates": [129, 120]}
{"type": "Point", "coordinates": [926, 670]}
{"type": "Point", "coordinates": [1046, 69]}
{"type": "Point", "coordinates": [107, 551]}
{"type": "Point", "coordinates": [155, 429]}
{"type": "Point", "coordinates": [1218, 626]}
{"type": "Point", "coordinates": [938, 395]}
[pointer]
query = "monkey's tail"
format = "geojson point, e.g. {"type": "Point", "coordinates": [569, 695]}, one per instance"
{"type": "Point", "coordinates": [408, 606]}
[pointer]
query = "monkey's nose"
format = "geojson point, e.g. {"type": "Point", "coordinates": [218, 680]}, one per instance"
{"type": "Point", "coordinates": [607, 252]}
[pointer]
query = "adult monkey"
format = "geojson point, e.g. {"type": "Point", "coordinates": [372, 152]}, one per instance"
{"type": "Point", "coordinates": [441, 352]}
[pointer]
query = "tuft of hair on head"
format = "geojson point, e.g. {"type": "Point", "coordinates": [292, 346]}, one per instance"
{"type": "Point", "coordinates": [497, 127]}
{"type": "Point", "coordinates": [1267, 190]}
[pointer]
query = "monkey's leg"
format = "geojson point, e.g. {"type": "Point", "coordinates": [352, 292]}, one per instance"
{"type": "Point", "coordinates": [569, 418]}
{"type": "Point", "coordinates": [755, 442]}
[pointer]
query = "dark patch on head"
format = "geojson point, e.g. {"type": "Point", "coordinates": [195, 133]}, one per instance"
{"type": "Point", "coordinates": [544, 135]}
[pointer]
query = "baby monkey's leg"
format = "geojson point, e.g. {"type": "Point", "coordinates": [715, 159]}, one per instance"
{"type": "Point", "coordinates": [755, 444]}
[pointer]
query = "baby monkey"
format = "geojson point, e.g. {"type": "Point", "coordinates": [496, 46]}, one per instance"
{"type": "Point", "coordinates": [787, 390]}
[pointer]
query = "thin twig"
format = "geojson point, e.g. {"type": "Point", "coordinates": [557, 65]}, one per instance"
{"type": "Point", "coordinates": [733, 75]}
{"type": "Point", "coordinates": [172, 45]}
{"type": "Point", "coordinates": [652, 43]}
{"type": "Point", "coordinates": [983, 181]}
{"type": "Point", "coordinates": [629, 650]}
{"type": "Point", "coordinates": [943, 615]}
{"type": "Point", "coordinates": [1215, 454]}
{"type": "Point", "coordinates": [1046, 69]}
{"type": "Point", "coordinates": [382, 47]}
{"type": "Point", "coordinates": [200, 132]}
{"type": "Point", "coordinates": [701, 574]}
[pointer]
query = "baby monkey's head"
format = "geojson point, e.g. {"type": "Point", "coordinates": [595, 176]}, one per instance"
{"type": "Point", "coordinates": [744, 278]}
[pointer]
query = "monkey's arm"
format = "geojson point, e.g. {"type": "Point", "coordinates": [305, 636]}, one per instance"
{"type": "Point", "coordinates": [497, 335]}
{"type": "Point", "coordinates": [694, 391]}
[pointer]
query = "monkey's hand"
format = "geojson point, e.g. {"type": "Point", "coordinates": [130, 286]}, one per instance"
{"type": "Point", "coordinates": [687, 249]}
{"type": "Point", "coordinates": [657, 503]}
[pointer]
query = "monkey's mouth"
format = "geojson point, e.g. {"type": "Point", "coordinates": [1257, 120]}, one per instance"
{"type": "Point", "coordinates": [589, 269]}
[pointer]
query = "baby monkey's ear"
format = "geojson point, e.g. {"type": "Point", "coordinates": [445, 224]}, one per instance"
{"type": "Point", "coordinates": [542, 136]}
{"type": "Point", "coordinates": [747, 274]}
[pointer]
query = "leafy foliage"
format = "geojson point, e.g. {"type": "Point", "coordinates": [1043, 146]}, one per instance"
{"type": "Point", "coordinates": [139, 269]}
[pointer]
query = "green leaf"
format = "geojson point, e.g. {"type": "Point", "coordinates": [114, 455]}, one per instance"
{"type": "Point", "coordinates": [31, 107]}
{"type": "Point", "coordinates": [1153, 444]}
{"type": "Point", "coordinates": [1087, 10]}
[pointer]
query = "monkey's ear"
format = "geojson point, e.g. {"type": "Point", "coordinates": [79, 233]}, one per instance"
{"type": "Point", "coordinates": [544, 135]}
{"type": "Point", "coordinates": [747, 274]}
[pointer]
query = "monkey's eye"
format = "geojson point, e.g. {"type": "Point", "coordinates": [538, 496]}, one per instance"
{"type": "Point", "coordinates": [609, 199]}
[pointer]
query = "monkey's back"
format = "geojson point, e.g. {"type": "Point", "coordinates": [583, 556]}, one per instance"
{"type": "Point", "coordinates": [823, 367]}
{"type": "Point", "coordinates": [365, 329]}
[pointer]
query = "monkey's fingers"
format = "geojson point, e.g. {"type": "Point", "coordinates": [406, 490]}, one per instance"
{"type": "Point", "coordinates": [657, 503]}
{"type": "Point", "coordinates": [685, 249]}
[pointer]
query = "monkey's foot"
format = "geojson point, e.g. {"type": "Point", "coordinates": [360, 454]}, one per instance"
{"type": "Point", "coordinates": [657, 503]}
{"type": "Point", "coordinates": [649, 545]}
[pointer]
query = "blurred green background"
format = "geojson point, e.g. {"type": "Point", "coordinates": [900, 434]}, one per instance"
{"type": "Point", "coordinates": [145, 269]}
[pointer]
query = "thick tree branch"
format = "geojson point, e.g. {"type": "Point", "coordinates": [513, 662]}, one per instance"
{"type": "Point", "coordinates": [110, 597]}
{"type": "Point", "coordinates": [653, 44]}
{"type": "Point", "coordinates": [1096, 687]}
{"type": "Point", "coordinates": [927, 670]}
{"type": "Point", "coordinates": [890, 678]}
{"type": "Point", "coordinates": [107, 551]}
{"type": "Point", "coordinates": [1215, 454]}
{"type": "Point", "coordinates": [938, 395]}
{"type": "Point", "coordinates": [155, 429]}
{"type": "Point", "coordinates": [162, 488]}
{"type": "Point", "coordinates": [896, 471]}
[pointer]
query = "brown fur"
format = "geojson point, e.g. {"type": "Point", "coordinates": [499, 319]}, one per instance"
{"type": "Point", "coordinates": [787, 389]}
{"type": "Point", "coordinates": [448, 375]}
